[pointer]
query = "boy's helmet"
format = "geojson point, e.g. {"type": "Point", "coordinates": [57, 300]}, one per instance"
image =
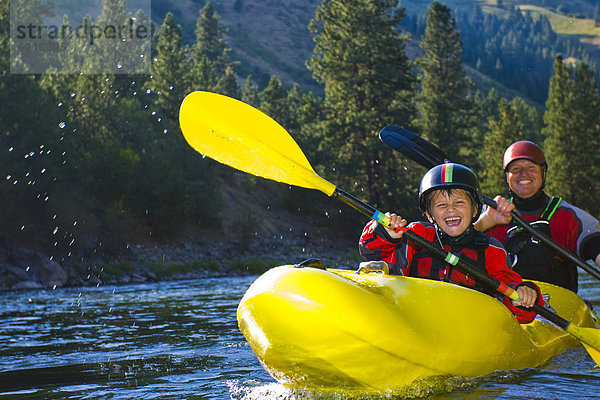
{"type": "Point", "coordinates": [524, 149]}
{"type": "Point", "coordinates": [450, 176]}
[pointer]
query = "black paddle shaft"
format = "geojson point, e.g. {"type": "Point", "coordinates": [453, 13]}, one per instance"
{"type": "Point", "coordinates": [428, 155]}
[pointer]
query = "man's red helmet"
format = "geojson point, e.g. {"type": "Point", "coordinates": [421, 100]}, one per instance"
{"type": "Point", "coordinates": [524, 149]}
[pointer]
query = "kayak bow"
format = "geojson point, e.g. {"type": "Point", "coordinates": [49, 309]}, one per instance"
{"type": "Point", "coordinates": [336, 329]}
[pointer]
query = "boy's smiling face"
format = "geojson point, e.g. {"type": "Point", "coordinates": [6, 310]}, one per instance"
{"type": "Point", "coordinates": [453, 212]}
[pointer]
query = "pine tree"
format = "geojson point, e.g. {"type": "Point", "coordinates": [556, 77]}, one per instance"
{"type": "Point", "coordinates": [360, 57]}
{"type": "Point", "coordinates": [210, 42]}
{"type": "Point", "coordinates": [33, 12]}
{"type": "Point", "coordinates": [444, 101]}
{"type": "Point", "coordinates": [250, 92]}
{"type": "Point", "coordinates": [115, 55]}
{"type": "Point", "coordinates": [483, 109]}
{"type": "Point", "coordinates": [212, 70]}
{"type": "Point", "coordinates": [204, 76]}
{"type": "Point", "coordinates": [274, 103]}
{"type": "Point", "coordinates": [572, 121]}
{"type": "Point", "coordinates": [30, 160]}
{"type": "Point", "coordinates": [227, 84]}
{"type": "Point", "coordinates": [511, 123]}
{"type": "Point", "coordinates": [171, 80]}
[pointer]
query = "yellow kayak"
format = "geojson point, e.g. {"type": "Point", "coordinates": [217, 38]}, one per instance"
{"type": "Point", "coordinates": [338, 329]}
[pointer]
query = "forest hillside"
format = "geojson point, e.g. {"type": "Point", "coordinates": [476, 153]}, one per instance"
{"type": "Point", "coordinates": [270, 37]}
{"type": "Point", "coordinates": [99, 181]}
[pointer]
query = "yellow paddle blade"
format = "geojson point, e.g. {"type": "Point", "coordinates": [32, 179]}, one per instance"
{"type": "Point", "coordinates": [236, 134]}
{"type": "Point", "coordinates": [595, 354]}
{"type": "Point", "coordinates": [589, 337]}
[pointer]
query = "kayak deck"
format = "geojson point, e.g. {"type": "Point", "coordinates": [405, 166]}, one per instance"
{"type": "Point", "coordinates": [336, 329]}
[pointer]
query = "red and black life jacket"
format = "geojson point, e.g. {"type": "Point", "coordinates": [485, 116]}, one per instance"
{"type": "Point", "coordinates": [532, 259]}
{"type": "Point", "coordinates": [424, 265]}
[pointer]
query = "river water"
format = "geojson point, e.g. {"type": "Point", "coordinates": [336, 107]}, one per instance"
{"type": "Point", "coordinates": [179, 340]}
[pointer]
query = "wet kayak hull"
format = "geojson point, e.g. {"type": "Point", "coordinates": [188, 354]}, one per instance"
{"type": "Point", "coordinates": [334, 329]}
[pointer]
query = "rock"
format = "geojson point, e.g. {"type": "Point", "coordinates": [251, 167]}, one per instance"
{"type": "Point", "coordinates": [36, 267]}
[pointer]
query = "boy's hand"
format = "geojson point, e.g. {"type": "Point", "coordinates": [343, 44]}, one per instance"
{"type": "Point", "coordinates": [527, 297]}
{"type": "Point", "coordinates": [396, 221]}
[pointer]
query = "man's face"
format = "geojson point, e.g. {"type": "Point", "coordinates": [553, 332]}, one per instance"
{"type": "Point", "coordinates": [524, 178]}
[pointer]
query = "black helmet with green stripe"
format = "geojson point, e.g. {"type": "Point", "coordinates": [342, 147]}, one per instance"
{"type": "Point", "coordinates": [450, 176]}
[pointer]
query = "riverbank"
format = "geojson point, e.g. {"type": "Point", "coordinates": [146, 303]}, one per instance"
{"type": "Point", "coordinates": [260, 225]}
{"type": "Point", "coordinates": [22, 268]}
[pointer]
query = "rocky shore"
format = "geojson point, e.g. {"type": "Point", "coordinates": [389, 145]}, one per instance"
{"type": "Point", "coordinates": [22, 268]}
{"type": "Point", "coordinates": [254, 233]}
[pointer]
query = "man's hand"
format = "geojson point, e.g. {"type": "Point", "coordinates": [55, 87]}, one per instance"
{"type": "Point", "coordinates": [499, 216]}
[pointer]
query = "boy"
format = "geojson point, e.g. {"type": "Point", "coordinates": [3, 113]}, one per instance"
{"type": "Point", "coordinates": [450, 197]}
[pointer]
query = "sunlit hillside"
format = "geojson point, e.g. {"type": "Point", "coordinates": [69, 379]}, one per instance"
{"type": "Point", "coordinates": [271, 37]}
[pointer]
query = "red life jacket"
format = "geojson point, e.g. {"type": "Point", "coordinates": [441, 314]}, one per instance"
{"type": "Point", "coordinates": [424, 265]}
{"type": "Point", "coordinates": [532, 259]}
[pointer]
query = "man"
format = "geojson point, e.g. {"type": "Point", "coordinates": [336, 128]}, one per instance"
{"type": "Point", "coordinates": [525, 168]}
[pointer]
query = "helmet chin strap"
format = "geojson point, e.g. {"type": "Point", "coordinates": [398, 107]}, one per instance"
{"type": "Point", "coordinates": [544, 169]}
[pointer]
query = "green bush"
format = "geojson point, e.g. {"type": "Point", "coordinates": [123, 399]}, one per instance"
{"type": "Point", "coordinates": [253, 265]}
